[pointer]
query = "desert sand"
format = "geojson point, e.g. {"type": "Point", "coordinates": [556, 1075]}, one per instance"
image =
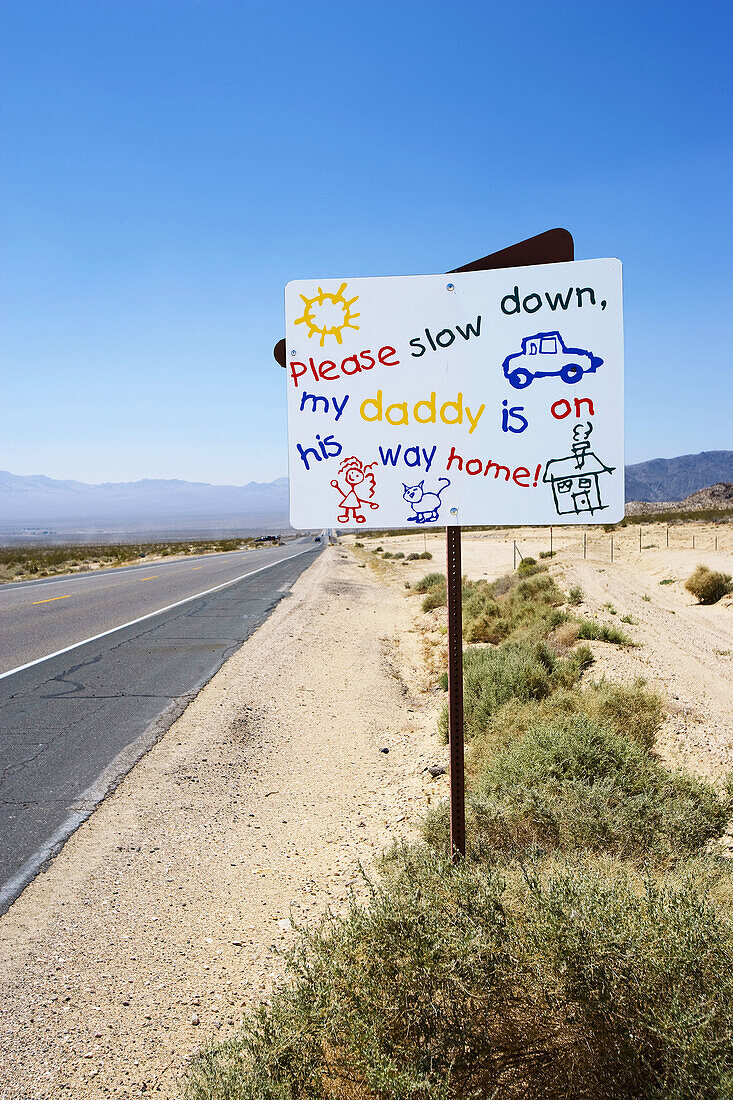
{"type": "Point", "coordinates": [166, 912]}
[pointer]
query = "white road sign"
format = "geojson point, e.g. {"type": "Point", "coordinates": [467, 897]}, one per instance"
{"type": "Point", "coordinates": [489, 397]}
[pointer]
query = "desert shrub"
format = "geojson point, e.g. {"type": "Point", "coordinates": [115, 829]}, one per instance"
{"type": "Point", "coordinates": [522, 671]}
{"type": "Point", "coordinates": [573, 978]}
{"type": "Point", "coordinates": [707, 585]}
{"type": "Point", "coordinates": [540, 587]}
{"type": "Point", "coordinates": [564, 636]}
{"type": "Point", "coordinates": [575, 784]}
{"type": "Point", "coordinates": [643, 957]}
{"type": "Point", "coordinates": [436, 597]}
{"type": "Point", "coordinates": [398, 554]}
{"type": "Point", "coordinates": [511, 608]}
{"type": "Point", "coordinates": [430, 580]}
{"type": "Point", "coordinates": [528, 567]}
{"type": "Point", "coordinates": [592, 630]}
{"type": "Point", "coordinates": [630, 709]}
{"type": "Point", "coordinates": [502, 585]}
{"type": "Point", "coordinates": [547, 554]}
{"type": "Point", "coordinates": [487, 626]}
{"type": "Point", "coordinates": [426, 556]}
{"type": "Point", "coordinates": [358, 545]}
{"type": "Point", "coordinates": [387, 554]}
{"type": "Point", "coordinates": [575, 595]}
{"type": "Point", "coordinates": [413, 557]}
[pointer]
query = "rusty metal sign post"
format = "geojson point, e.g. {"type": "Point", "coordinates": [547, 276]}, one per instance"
{"type": "Point", "coordinates": [553, 246]}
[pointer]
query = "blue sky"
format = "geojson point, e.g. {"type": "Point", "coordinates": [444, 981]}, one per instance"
{"type": "Point", "coordinates": [169, 164]}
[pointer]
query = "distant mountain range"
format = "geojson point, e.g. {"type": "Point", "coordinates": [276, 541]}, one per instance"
{"type": "Point", "coordinates": [37, 506]}
{"type": "Point", "coordinates": [668, 479]}
{"type": "Point", "coordinates": [152, 505]}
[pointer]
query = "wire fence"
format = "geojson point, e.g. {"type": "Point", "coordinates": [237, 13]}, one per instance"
{"type": "Point", "coordinates": [621, 543]}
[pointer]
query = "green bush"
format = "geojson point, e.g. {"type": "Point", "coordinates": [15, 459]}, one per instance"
{"type": "Point", "coordinates": [426, 555]}
{"type": "Point", "coordinates": [528, 566]}
{"type": "Point", "coordinates": [708, 586]}
{"type": "Point", "coordinates": [430, 580]}
{"type": "Point", "coordinates": [575, 595]}
{"type": "Point", "coordinates": [358, 545]}
{"type": "Point", "coordinates": [521, 671]}
{"type": "Point", "coordinates": [632, 711]}
{"type": "Point", "coordinates": [576, 784]}
{"type": "Point", "coordinates": [399, 554]}
{"type": "Point", "coordinates": [511, 608]}
{"type": "Point", "coordinates": [568, 979]}
{"type": "Point", "coordinates": [413, 557]}
{"type": "Point", "coordinates": [436, 597]}
{"type": "Point", "coordinates": [592, 630]}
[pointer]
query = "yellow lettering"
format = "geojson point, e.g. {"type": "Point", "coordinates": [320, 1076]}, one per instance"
{"type": "Point", "coordinates": [377, 403]}
{"type": "Point", "coordinates": [473, 420]}
{"type": "Point", "coordinates": [430, 406]}
{"type": "Point", "coordinates": [458, 406]}
{"type": "Point", "coordinates": [402, 406]}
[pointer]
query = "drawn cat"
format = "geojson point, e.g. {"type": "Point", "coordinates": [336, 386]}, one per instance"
{"type": "Point", "coordinates": [424, 505]}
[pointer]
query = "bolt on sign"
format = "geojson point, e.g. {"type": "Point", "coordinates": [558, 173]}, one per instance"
{"type": "Point", "coordinates": [489, 397]}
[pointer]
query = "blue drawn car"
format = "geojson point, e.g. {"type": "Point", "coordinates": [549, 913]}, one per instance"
{"type": "Point", "coordinates": [546, 356]}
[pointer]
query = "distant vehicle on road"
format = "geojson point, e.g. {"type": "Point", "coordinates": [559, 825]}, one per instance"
{"type": "Point", "coordinates": [545, 355]}
{"type": "Point", "coordinates": [317, 538]}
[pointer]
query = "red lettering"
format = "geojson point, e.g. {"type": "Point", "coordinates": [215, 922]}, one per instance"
{"type": "Point", "coordinates": [453, 457]}
{"type": "Point", "coordinates": [384, 352]}
{"type": "Point", "coordinates": [313, 368]}
{"type": "Point", "coordinates": [350, 359]}
{"type": "Point", "coordinates": [496, 467]}
{"type": "Point", "coordinates": [583, 401]}
{"type": "Point", "coordinates": [326, 373]}
{"type": "Point", "coordinates": [474, 466]}
{"type": "Point", "coordinates": [296, 374]}
{"type": "Point", "coordinates": [559, 404]}
{"type": "Point", "coordinates": [367, 354]}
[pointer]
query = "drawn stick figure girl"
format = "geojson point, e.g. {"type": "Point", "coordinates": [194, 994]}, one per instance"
{"type": "Point", "coordinates": [355, 473]}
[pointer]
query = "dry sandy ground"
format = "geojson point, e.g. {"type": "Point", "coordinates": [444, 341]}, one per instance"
{"type": "Point", "coordinates": [164, 913]}
{"type": "Point", "coordinates": [685, 650]}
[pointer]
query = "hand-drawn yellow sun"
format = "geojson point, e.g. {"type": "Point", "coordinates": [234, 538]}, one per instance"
{"type": "Point", "coordinates": [328, 314]}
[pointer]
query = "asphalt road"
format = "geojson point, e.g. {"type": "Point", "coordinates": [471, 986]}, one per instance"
{"type": "Point", "coordinates": [75, 717]}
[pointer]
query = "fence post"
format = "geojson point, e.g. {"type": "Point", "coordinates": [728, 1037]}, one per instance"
{"type": "Point", "coordinates": [611, 547]}
{"type": "Point", "coordinates": [551, 542]}
{"type": "Point", "coordinates": [639, 538]}
{"type": "Point", "coordinates": [585, 536]}
{"type": "Point", "coordinates": [515, 553]}
{"type": "Point", "coordinates": [668, 536]}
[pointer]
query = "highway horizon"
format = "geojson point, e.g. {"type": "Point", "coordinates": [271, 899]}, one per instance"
{"type": "Point", "coordinates": [37, 624]}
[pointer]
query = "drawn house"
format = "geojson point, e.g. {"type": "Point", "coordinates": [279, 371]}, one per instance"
{"type": "Point", "coordinates": [574, 479]}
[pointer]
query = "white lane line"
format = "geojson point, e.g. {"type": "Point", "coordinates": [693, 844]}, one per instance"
{"type": "Point", "coordinates": [151, 614]}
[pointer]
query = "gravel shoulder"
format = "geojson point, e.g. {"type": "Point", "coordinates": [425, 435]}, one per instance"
{"type": "Point", "coordinates": [166, 912]}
